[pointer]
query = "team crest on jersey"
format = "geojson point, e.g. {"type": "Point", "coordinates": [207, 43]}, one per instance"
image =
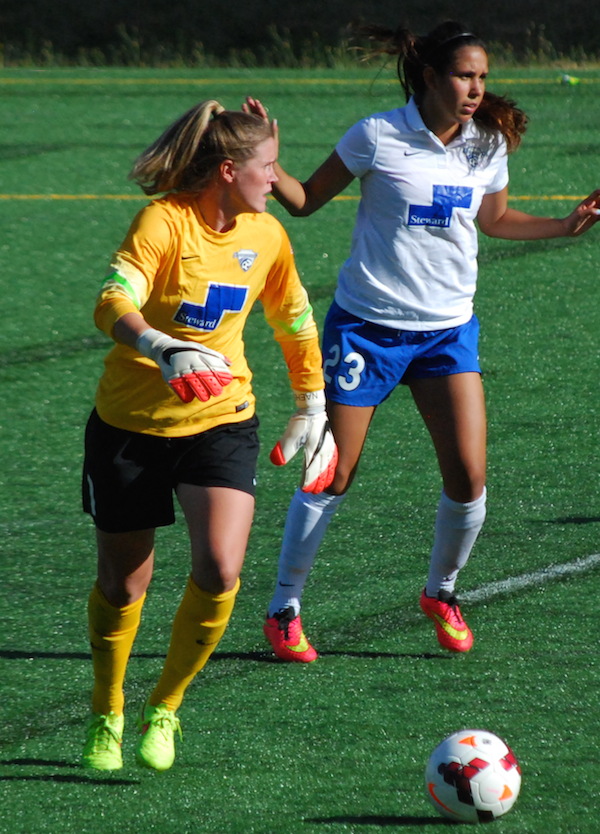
{"type": "Point", "coordinates": [246, 258]}
{"type": "Point", "coordinates": [474, 155]}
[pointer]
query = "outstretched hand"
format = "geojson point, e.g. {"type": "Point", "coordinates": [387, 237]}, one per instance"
{"type": "Point", "coordinates": [584, 216]}
{"type": "Point", "coordinates": [257, 108]}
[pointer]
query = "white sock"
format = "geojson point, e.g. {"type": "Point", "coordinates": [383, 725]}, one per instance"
{"type": "Point", "coordinates": [307, 520]}
{"type": "Point", "coordinates": [456, 529]}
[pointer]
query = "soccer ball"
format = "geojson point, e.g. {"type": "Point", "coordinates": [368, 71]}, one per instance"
{"type": "Point", "coordinates": [473, 776]}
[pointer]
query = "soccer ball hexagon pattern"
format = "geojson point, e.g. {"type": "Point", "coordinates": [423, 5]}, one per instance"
{"type": "Point", "coordinates": [473, 776]}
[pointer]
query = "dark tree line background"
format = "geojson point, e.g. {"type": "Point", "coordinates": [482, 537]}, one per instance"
{"type": "Point", "coordinates": [183, 27]}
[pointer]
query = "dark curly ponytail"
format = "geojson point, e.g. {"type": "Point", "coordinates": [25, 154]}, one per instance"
{"type": "Point", "coordinates": [437, 50]}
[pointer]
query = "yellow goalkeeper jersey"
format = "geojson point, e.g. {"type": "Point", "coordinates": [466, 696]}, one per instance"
{"type": "Point", "coordinates": [197, 284]}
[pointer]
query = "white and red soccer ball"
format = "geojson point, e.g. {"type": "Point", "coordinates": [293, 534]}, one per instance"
{"type": "Point", "coordinates": [473, 776]}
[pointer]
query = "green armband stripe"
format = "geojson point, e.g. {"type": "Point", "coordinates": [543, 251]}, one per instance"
{"type": "Point", "coordinates": [115, 278]}
{"type": "Point", "coordinates": [298, 324]}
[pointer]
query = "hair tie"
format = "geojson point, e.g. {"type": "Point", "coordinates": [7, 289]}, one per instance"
{"type": "Point", "coordinates": [216, 108]}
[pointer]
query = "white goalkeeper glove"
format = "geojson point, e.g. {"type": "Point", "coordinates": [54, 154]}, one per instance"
{"type": "Point", "coordinates": [192, 370]}
{"type": "Point", "coordinates": [309, 429]}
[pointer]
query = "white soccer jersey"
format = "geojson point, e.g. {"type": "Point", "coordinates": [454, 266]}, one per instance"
{"type": "Point", "coordinates": [413, 261]}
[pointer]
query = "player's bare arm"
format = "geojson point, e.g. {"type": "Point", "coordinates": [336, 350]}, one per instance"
{"type": "Point", "coordinates": [301, 199]}
{"type": "Point", "coordinates": [497, 219]}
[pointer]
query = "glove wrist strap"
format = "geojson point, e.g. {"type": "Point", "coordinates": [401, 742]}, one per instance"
{"type": "Point", "coordinates": [148, 341]}
{"type": "Point", "coordinates": [310, 402]}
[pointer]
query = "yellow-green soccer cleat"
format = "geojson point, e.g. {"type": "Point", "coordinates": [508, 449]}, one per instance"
{"type": "Point", "coordinates": [102, 750]}
{"type": "Point", "coordinates": [156, 747]}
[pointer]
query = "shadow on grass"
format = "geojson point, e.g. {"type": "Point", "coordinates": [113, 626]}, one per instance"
{"type": "Point", "coordinates": [255, 657]}
{"type": "Point", "coordinates": [573, 519]}
{"type": "Point", "coordinates": [71, 778]}
{"type": "Point", "coordinates": [380, 821]}
{"type": "Point", "coordinates": [267, 657]}
{"type": "Point", "coordinates": [57, 350]}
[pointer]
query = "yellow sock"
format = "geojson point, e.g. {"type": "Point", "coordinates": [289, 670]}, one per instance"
{"type": "Point", "coordinates": [199, 624]}
{"type": "Point", "coordinates": [112, 632]}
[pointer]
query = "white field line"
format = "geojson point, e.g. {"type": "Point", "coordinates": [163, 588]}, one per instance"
{"type": "Point", "coordinates": [527, 580]}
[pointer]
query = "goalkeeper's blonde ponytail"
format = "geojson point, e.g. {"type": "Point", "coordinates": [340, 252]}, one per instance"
{"type": "Point", "coordinates": [188, 154]}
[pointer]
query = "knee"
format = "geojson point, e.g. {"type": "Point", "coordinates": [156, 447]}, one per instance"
{"type": "Point", "coordinates": [119, 594]}
{"type": "Point", "coordinates": [465, 486]}
{"type": "Point", "coordinates": [125, 565]}
{"type": "Point", "coordinates": [342, 480]}
{"type": "Point", "coordinates": [215, 579]}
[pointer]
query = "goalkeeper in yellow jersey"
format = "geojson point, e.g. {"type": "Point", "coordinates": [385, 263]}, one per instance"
{"type": "Point", "coordinates": [175, 413]}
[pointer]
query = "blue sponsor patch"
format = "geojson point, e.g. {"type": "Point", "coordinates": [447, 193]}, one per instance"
{"type": "Point", "coordinates": [439, 213]}
{"type": "Point", "coordinates": [220, 299]}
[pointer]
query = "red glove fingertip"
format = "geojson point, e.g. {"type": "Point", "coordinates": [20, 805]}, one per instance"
{"type": "Point", "coordinates": [198, 387]}
{"type": "Point", "coordinates": [276, 457]}
{"type": "Point", "coordinates": [182, 390]}
{"type": "Point", "coordinates": [224, 377]}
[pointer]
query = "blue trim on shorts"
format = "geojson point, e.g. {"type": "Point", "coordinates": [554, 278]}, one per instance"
{"type": "Point", "coordinates": [364, 362]}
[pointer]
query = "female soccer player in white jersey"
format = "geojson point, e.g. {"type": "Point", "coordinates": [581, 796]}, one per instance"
{"type": "Point", "coordinates": [403, 308]}
{"type": "Point", "coordinates": [175, 411]}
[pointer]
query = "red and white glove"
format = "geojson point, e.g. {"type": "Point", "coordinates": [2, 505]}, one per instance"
{"type": "Point", "coordinates": [192, 370]}
{"type": "Point", "coordinates": [309, 429]}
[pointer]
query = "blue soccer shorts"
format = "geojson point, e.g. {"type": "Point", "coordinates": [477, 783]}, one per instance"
{"type": "Point", "coordinates": [364, 362]}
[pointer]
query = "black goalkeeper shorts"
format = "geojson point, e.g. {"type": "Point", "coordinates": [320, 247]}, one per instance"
{"type": "Point", "coordinates": [129, 478]}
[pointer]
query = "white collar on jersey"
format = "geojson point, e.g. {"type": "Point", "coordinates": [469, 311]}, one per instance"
{"type": "Point", "coordinates": [416, 123]}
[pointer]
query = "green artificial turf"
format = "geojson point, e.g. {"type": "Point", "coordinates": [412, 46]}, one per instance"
{"type": "Point", "coordinates": [341, 745]}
